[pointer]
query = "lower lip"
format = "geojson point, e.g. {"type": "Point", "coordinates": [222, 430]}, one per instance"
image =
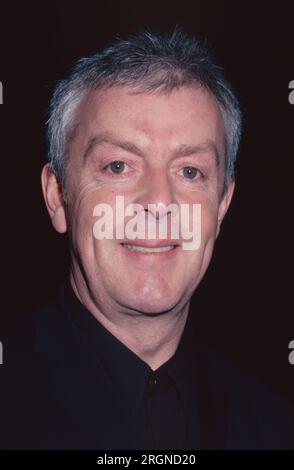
{"type": "Point", "coordinates": [158, 255]}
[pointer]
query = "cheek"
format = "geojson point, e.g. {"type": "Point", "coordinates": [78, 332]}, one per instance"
{"type": "Point", "coordinates": [81, 216]}
{"type": "Point", "coordinates": [203, 218]}
{"type": "Point", "coordinates": [209, 223]}
{"type": "Point", "coordinates": [196, 262]}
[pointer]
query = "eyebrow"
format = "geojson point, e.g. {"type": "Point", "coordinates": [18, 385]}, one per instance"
{"type": "Point", "coordinates": [182, 151]}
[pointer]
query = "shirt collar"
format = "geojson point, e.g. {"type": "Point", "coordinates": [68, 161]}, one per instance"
{"type": "Point", "coordinates": [128, 372]}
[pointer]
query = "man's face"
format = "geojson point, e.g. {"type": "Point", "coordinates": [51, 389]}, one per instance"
{"type": "Point", "coordinates": [155, 137]}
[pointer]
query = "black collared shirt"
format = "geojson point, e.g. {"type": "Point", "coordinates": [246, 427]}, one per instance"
{"type": "Point", "coordinates": [68, 383]}
{"type": "Point", "coordinates": [160, 402]}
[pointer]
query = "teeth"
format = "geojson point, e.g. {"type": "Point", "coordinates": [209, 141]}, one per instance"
{"type": "Point", "coordinates": [149, 249]}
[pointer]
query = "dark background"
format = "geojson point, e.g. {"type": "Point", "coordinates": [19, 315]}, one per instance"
{"type": "Point", "coordinates": [243, 307]}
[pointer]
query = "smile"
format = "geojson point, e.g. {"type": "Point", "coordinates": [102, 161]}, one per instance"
{"type": "Point", "coordinates": [145, 249]}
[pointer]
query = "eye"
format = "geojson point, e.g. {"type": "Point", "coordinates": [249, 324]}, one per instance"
{"type": "Point", "coordinates": [116, 167]}
{"type": "Point", "coordinates": [191, 172]}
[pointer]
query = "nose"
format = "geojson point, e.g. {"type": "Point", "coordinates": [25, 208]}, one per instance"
{"type": "Point", "coordinates": [157, 193]}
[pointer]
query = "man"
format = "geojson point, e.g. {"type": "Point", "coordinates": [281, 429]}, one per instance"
{"type": "Point", "coordinates": [113, 362]}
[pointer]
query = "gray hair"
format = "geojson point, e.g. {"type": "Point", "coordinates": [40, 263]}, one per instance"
{"type": "Point", "coordinates": [148, 62]}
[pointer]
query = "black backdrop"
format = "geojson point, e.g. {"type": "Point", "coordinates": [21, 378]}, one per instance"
{"type": "Point", "coordinates": [243, 307]}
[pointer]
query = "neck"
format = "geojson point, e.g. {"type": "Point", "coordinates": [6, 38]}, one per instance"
{"type": "Point", "coordinates": [153, 338]}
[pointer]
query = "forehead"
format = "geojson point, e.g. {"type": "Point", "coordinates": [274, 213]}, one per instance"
{"type": "Point", "coordinates": [184, 116]}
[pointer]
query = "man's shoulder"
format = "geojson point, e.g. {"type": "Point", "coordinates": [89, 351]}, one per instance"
{"type": "Point", "coordinates": [26, 355]}
{"type": "Point", "coordinates": [253, 406]}
{"type": "Point", "coordinates": [19, 333]}
{"type": "Point", "coordinates": [31, 416]}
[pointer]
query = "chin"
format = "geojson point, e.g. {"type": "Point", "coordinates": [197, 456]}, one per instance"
{"type": "Point", "coordinates": [155, 306]}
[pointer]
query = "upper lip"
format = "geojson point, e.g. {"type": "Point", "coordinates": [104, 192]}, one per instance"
{"type": "Point", "coordinates": [151, 243]}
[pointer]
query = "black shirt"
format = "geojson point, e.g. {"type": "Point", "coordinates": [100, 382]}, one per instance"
{"type": "Point", "coordinates": [68, 383]}
{"type": "Point", "coordinates": [159, 401]}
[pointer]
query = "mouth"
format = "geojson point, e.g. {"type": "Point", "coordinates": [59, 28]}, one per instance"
{"type": "Point", "coordinates": [148, 249]}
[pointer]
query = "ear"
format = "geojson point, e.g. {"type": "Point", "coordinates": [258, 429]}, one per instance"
{"type": "Point", "coordinates": [224, 204]}
{"type": "Point", "coordinates": [53, 198]}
